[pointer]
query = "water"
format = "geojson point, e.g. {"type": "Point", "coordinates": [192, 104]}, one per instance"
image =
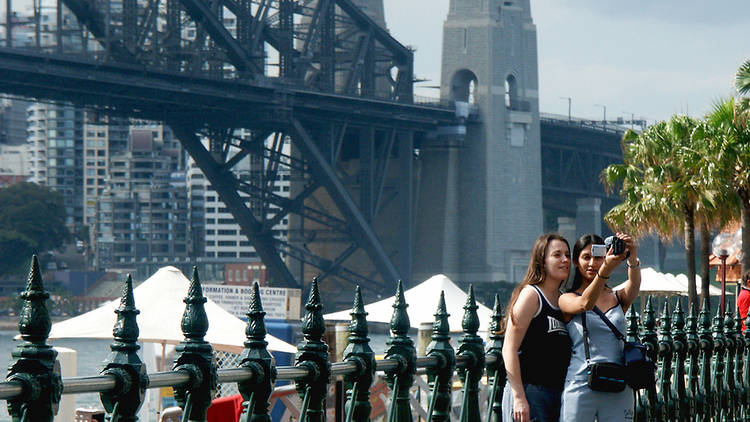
{"type": "Point", "coordinates": [91, 354]}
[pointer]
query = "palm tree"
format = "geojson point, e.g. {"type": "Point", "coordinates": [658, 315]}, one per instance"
{"type": "Point", "coordinates": [662, 185]}
{"type": "Point", "coordinates": [742, 78]}
{"type": "Point", "coordinates": [725, 206]}
{"type": "Point", "coordinates": [730, 148]}
{"type": "Point", "coordinates": [719, 203]}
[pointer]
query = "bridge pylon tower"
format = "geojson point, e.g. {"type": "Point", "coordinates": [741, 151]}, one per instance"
{"type": "Point", "coordinates": [480, 203]}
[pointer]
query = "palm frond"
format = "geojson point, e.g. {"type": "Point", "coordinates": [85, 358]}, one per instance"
{"type": "Point", "coordinates": [742, 78]}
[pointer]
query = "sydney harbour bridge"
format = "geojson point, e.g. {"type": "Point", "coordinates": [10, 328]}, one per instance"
{"type": "Point", "coordinates": [370, 163]}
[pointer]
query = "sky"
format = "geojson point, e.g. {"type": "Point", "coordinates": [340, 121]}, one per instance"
{"type": "Point", "coordinates": [644, 58]}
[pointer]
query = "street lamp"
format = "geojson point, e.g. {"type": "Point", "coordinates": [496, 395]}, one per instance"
{"type": "Point", "coordinates": [605, 112]}
{"type": "Point", "coordinates": [569, 102]}
{"type": "Point", "coordinates": [723, 254]}
{"type": "Point", "coordinates": [632, 118]}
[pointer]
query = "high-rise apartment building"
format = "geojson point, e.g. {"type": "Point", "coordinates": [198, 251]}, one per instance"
{"type": "Point", "coordinates": [55, 142]}
{"type": "Point", "coordinates": [141, 216]}
{"type": "Point", "coordinates": [103, 137]}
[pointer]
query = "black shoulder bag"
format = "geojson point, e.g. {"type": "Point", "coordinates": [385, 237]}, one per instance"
{"type": "Point", "coordinates": [640, 370]}
{"type": "Point", "coordinates": [602, 376]}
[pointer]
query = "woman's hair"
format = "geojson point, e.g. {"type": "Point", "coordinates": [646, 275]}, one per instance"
{"type": "Point", "coordinates": [746, 277]}
{"type": "Point", "coordinates": [536, 272]}
{"type": "Point", "coordinates": [582, 242]}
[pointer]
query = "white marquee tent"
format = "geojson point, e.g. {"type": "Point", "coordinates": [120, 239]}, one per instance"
{"type": "Point", "coordinates": [423, 301]}
{"type": "Point", "coordinates": [160, 302]}
{"type": "Point", "coordinates": [666, 284]}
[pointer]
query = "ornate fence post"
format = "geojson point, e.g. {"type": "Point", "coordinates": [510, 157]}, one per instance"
{"type": "Point", "coordinates": [496, 370]}
{"type": "Point", "coordinates": [718, 365]}
{"type": "Point", "coordinates": [400, 349]}
{"type": "Point", "coordinates": [195, 356]}
{"type": "Point", "coordinates": [257, 391]}
{"type": "Point", "coordinates": [665, 405]}
{"type": "Point", "coordinates": [471, 370]}
{"type": "Point", "coordinates": [693, 350]}
{"type": "Point", "coordinates": [312, 355]}
{"type": "Point", "coordinates": [682, 411]}
{"type": "Point", "coordinates": [440, 377]}
{"type": "Point", "coordinates": [650, 340]}
{"type": "Point", "coordinates": [704, 397]}
{"type": "Point", "coordinates": [730, 391]}
{"type": "Point", "coordinates": [641, 411]}
{"type": "Point", "coordinates": [35, 364]}
{"type": "Point", "coordinates": [123, 403]}
{"type": "Point", "coordinates": [359, 352]}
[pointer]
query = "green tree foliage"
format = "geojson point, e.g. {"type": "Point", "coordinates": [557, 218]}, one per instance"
{"type": "Point", "coordinates": [663, 185]}
{"type": "Point", "coordinates": [729, 123]}
{"type": "Point", "coordinates": [32, 220]}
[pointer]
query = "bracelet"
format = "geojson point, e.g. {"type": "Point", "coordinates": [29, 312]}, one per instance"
{"type": "Point", "coordinates": [633, 266]}
{"type": "Point", "coordinates": [602, 277]}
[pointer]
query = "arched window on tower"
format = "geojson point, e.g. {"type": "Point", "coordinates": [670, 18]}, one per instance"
{"type": "Point", "coordinates": [464, 86]}
{"type": "Point", "coordinates": [511, 93]}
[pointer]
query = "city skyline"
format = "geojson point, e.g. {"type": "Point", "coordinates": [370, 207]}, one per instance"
{"type": "Point", "coordinates": [648, 59]}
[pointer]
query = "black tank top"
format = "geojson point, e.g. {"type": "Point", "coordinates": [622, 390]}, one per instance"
{"type": "Point", "coordinates": [546, 348]}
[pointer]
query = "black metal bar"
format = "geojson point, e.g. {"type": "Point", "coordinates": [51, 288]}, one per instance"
{"type": "Point", "coordinates": [401, 53]}
{"type": "Point", "coordinates": [338, 261]}
{"type": "Point", "coordinates": [363, 232]}
{"type": "Point", "coordinates": [292, 205]}
{"type": "Point", "coordinates": [382, 172]}
{"type": "Point", "coordinates": [367, 173]}
{"type": "Point", "coordinates": [405, 206]}
{"type": "Point", "coordinates": [252, 228]}
{"type": "Point", "coordinates": [201, 13]}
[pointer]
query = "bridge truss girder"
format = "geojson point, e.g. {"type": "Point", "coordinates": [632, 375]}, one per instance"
{"type": "Point", "coordinates": [573, 157]}
{"type": "Point", "coordinates": [341, 221]}
{"type": "Point", "coordinates": [143, 65]}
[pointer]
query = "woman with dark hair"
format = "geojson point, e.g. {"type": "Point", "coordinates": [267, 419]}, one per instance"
{"type": "Point", "coordinates": [536, 349]}
{"type": "Point", "coordinates": [590, 291]}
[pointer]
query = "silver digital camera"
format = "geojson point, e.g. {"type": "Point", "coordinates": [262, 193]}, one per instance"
{"type": "Point", "coordinates": [599, 250]}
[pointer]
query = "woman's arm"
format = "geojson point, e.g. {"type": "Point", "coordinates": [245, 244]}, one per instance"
{"type": "Point", "coordinates": [573, 304]}
{"type": "Point", "coordinates": [523, 311]}
{"type": "Point", "coordinates": [632, 288]}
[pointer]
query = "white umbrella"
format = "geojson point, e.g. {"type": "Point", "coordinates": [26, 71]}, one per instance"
{"type": "Point", "coordinates": [656, 283]}
{"type": "Point", "coordinates": [683, 280]}
{"type": "Point", "coordinates": [666, 284]}
{"type": "Point", "coordinates": [160, 302]}
{"type": "Point", "coordinates": [423, 301]}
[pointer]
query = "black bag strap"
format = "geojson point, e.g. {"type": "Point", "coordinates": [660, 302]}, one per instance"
{"type": "Point", "coordinates": [585, 337]}
{"type": "Point", "coordinates": [606, 320]}
{"type": "Point", "coordinates": [611, 326]}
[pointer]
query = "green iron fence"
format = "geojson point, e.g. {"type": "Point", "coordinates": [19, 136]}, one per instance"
{"type": "Point", "coordinates": [703, 364]}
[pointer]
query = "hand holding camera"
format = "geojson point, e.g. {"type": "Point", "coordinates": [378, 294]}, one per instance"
{"type": "Point", "coordinates": [615, 250]}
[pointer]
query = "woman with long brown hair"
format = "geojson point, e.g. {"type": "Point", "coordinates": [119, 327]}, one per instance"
{"type": "Point", "coordinates": [537, 348]}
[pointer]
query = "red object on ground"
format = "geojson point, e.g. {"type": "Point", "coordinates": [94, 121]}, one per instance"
{"type": "Point", "coordinates": [225, 409]}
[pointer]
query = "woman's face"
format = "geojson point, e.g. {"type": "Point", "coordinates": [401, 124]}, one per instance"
{"type": "Point", "coordinates": [588, 264]}
{"type": "Point", "coordinates": [557, 260]}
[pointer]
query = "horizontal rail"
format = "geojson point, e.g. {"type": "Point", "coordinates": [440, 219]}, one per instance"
{"type": "Point", "coordinates": [103, 383]}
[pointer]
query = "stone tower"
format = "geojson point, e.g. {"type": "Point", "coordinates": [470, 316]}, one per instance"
{"type": "Point", "coordinates": [480, 203]}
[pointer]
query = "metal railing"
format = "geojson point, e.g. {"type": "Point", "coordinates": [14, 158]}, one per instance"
{"type": "Point", "coordinates": [703, 364]}
{"type": "Point", "coordinates": [33, 387]}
